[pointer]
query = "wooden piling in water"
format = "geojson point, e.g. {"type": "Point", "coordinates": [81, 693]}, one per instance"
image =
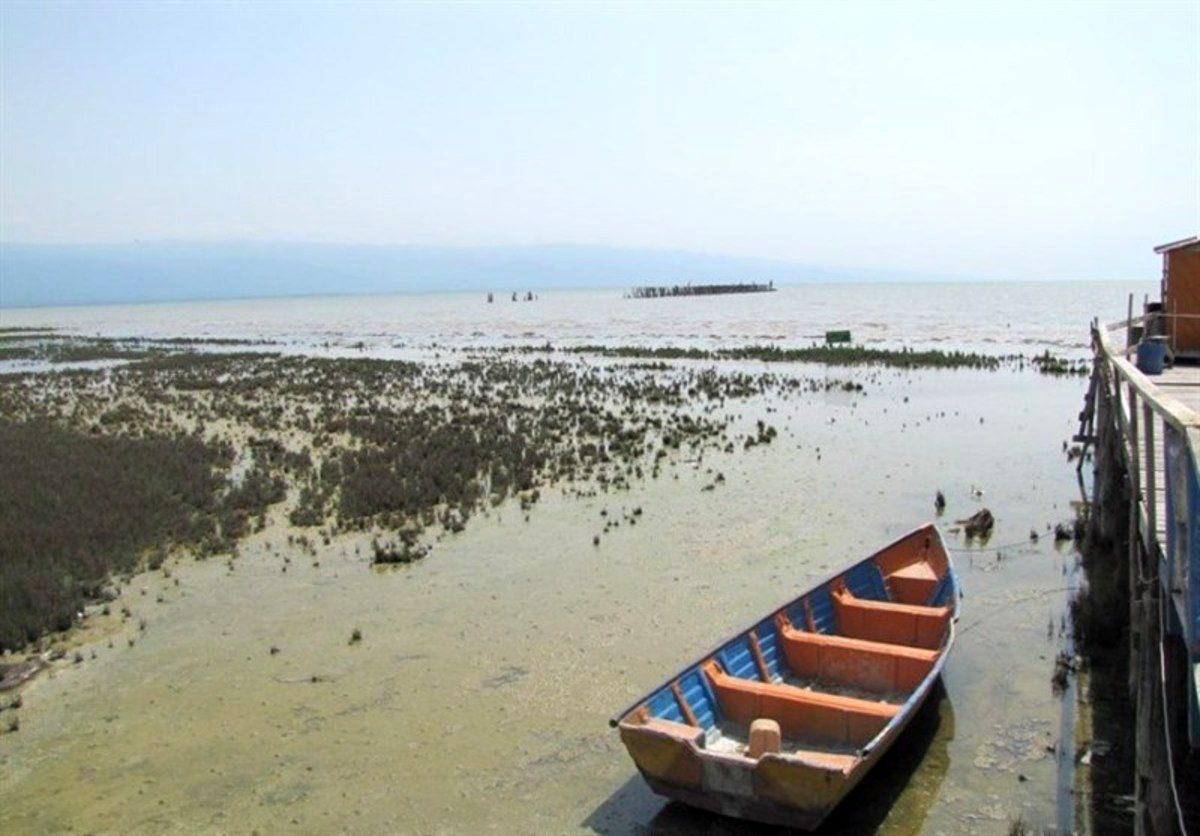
{"type": "Point", "coordinates": [650, 292]}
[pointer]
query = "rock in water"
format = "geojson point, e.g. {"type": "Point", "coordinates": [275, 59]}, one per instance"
{"type": "Point", "coordinates": [979, 524]}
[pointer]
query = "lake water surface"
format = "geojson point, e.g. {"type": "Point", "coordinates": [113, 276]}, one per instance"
{"type": "Point", "coordinates": [998, 317]}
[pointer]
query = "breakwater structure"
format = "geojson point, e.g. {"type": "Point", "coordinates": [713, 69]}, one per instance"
{"type": "Point", "coordinates": [664, 291]}
{"type": "Point", "coordinates": [1143, 558]}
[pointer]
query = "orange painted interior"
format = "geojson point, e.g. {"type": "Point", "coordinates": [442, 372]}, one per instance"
{"type": "Point", "coordinates": [810, 716]}
{"type": "Point", "coordinates": [879, 621]}
{"type": "Point", "coordinates": [886, 668]}
{"type": "Point", "coordinates": [912, 568]}
{"type": "Point", "coordinates": [919, 547]}
{"type": "Point", "coordinates": [914, 584]}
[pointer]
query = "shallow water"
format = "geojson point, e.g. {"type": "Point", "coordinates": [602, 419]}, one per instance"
{"type": "Point", "coordinates": [479, 697]}
{"type": "Point", "coordinates": [994, 317]}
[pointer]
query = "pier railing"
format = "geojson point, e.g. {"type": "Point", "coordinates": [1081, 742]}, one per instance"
{"type": "Point", "coordinates": [1153, 423]}
{"type": "Point", "coordinates": [1163, 439]}
{"type": "Point", "coordinates": [1159, 440]}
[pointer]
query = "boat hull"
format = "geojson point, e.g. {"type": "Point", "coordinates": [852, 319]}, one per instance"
{"type": "Point", "coordinates": [677, 746]}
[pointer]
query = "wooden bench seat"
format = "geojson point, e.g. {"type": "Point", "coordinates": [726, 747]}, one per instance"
{"type": "Point", "coordinates": [812, 717]}
{"type": "Point", "coordinates": [913, 584]}
{"type": "Point", "coordinates": [881, 621]}
{"type": "Point", "coordinates": [873, 666]}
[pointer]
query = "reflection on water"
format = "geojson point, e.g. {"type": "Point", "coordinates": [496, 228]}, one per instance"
{"type": "Point", "coordinates": [896, 795]}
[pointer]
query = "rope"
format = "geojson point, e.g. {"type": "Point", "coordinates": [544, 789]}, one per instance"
{"type": "Point", "coordinates": [1162, 676]}
{"type": "Point", "coordinates": [984, 549]}
{"type": "Point", "coordinates": [1044, 593]}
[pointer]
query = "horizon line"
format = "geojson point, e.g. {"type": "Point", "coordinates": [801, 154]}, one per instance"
{"type": "Point", "coordinates": [551, 289]}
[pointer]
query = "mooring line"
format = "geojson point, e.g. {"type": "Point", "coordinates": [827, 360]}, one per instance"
{"type": "Point", "coordinates": [983, 549]}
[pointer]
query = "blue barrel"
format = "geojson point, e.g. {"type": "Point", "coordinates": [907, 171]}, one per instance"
{"type": "Point", "coordinates": [1151, 355]}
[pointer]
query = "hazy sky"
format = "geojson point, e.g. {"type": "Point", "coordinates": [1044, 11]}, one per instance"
{"type": "Point", "coordinates": [1014, 140]}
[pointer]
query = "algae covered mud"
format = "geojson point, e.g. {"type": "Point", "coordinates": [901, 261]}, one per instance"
{"type": "Point", "coordinates": [293, 684]}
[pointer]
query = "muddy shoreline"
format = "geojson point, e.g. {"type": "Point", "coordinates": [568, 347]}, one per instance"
{"type": "Point", "coordinates": [761, 488]}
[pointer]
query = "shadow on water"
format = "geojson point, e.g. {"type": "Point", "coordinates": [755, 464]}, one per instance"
{"type": "Point", "coordinates": [1099, 619]}
{"type": "Point", "coordinates": [918, 763]}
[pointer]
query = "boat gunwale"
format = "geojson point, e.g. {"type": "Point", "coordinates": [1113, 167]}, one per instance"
{"type": "Point", "coordinates": [918, 693]}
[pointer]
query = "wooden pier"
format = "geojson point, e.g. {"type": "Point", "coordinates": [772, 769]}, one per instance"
{"type": "Point", "coordinates": [1145, 431]}
{"type": "Point", "coordinates": [663, 292]}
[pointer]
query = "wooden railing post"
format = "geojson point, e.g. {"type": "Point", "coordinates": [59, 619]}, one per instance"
{"type": "Point", "coordinates": [1135, 483]}
{"type": "Point", "coordinates": [1135, 474]}
{"type": "Point", "coordinates": [1151, 504]}
{"type": "Point", "coordinates": [1129, 323]}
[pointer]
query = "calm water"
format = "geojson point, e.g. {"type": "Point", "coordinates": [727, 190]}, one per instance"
{"type": "Point", "coordinates": [478, 699]}
{"type": "Point", "coordinates": [1015, 317]}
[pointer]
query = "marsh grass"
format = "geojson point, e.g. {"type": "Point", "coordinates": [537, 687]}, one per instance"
{"type": "Point", "coordinates": [1055, 366]}
{"type": "Point", "coordinates": [17, 352]}
{"type": "Point", "coordinates": [79, 507]}
{"type": "Point", "coordinates": [831, 355]}
{"type": "Point", "coordinates": [54, 347]}
{"type": "Point", "coordinates": [111, 467]}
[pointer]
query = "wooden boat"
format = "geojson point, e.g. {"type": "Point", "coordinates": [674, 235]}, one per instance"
{"type": "Point", "coordinates": [780, 722]}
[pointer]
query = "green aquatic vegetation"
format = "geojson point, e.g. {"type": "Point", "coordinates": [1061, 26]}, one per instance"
{"type": "Point", "coordinates": [17, 352]}
{"type": "Point", "coordinates": [831, 355]}
{"type": "Point", "coordinates": [1051, 364]}
{"type": "Point", "coordinates": [310, 510]}
{"type": "Point", "coordinates": [79, 350]}
{"type": "Point", "coordinates": [640, 352]}
{"type": "Point", "coordinates": [359, 444]}
{"type": "Point", "coordinates": [53, 347]}
{"type": "Point", "coordinates": [852, 355]}
{"type": "Point", "coordinates": [202, 341]}
{"type": "Point", "coordinates": [79, 507]}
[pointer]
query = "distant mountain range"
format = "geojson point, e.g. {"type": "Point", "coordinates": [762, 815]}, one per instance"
{"type": "Point", "coordinates": [85, 274]}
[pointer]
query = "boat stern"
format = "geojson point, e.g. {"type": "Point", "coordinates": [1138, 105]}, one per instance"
{"type": "Point", "coordinates": [774, 788]}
